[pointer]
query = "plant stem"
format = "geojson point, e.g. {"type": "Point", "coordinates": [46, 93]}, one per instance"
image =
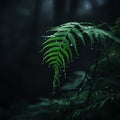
{"type": "Point", "coordinates": [83, 81]}
{"type": "Point", "coordinates": [93, 78]}
{"type": "Point", "coordinates": [94, 73]}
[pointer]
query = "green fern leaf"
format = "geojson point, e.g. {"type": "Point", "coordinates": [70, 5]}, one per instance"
{"type": "Point", "coordinates": [50, 60]}
{"type": "Point", "coordinates": [53, 39]}
{"type": "Point", "coordinates": [79, 34]}
{"type": "Point", "coordinates": [58, 46]}
{"type": "Point", "coordinates": [116, 28]}
{"type": "Point", "coordinates": [73, 42]}
{"type": "Point", "coordinates": [67, 48]}
{"type": "Point", "coordinates": [53, 44]}
{"type": "Point", "coordinates": [50, 55]}
{"type": "Point", "coordinates": [60, 33]}
{"type": "Point", "coordinates": [60, 29]}
{"type": "Point", "coordinates": [66, 54]}
{"type": "Point", "coordinates": [51, 50]}
{"type": "Point", "coordinates": [62, 59]}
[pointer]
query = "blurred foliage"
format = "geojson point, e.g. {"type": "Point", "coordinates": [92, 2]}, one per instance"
{"type": "Point", "coordinates": [71, 107]}
{"type": "Point", "coordinates": [116, 27]}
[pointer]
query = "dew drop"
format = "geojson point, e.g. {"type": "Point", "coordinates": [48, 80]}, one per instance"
{"type": "Point", "coordinates": [71, 45]}
{"type": "Point", "coordinates": [58, 82]}
{"type": "Point", "coordinates": [106, 87]}
{"type": "Point", "coordinates": [80, 89]}
{"type": "Point", "coordinates": [91, 48]}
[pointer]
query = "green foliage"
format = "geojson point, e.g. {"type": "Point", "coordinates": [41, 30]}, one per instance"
{"type": "Point", "coordinates": [116, 27]}
{"type": "Point", "coordinates": [58, 47]}
{"type": "Point", "coordinates": [71, 108]}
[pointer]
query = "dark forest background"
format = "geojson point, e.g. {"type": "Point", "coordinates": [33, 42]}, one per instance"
{"type": "Point", "coordinates": [22, 23]}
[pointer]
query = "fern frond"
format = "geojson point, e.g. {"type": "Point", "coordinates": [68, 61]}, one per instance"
{"type": "Point", "coordinates": [116, 27]}
{"type": "Point", "coordinates": [58, 46]}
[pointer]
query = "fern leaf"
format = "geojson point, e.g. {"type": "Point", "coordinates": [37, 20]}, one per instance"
{"type": "Point", "coordinates": [67, 48]}
{"type": "Point", "coordinates": [73, 42]}
{"type": "Point", "coordinates": [66, 54]}
{"type": "Point", "coordinates": [59, 29]}
{"type": "Point", "coordinates": [50, 60]}
{"type": "Point", "coordinates": [79, 34]}
{"type": "Point", "coordinates": [51, 50]}
{"type": "Point", "coordinates": [116, 27]}
{"type": "Point", "coordinates": [53, 39]}
{"type": "Point", "coordinates": [49, 55]}
{"type": "Point", "coordinates": [58, 46]}
{"type": "Point", "coordinates": [62, 59]}
{"type": "Point", "coordinates": [54, 44]}
{"type": "Point", "coordinates": [60, 33]}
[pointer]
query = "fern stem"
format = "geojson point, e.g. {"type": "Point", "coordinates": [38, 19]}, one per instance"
{"type": "Point", "coordinates": [83, 81]}
{"type": "Point", "coordinates": [94, 73]}
{"type": "Point", "coordinates": [93, 78]}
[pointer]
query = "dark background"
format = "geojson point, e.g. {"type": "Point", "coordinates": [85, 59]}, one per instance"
{"type": "Point", "coordinates": [22, 23]}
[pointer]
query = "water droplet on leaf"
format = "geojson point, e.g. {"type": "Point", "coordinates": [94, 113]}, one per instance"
{"type": "Point", "coordinates": [80, 89]}
{"type": "Point", "coordinates": [91, 48]}
{"type": "Point", "coordinates": [71, 45]}
{"type": "Point", "coordinates": [106, 87]}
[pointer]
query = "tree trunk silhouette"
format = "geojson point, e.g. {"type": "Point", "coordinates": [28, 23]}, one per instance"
{"type": "Point", "coordinates": [113, 8]}
{"type": "Point", "coordinates": [33, 36]}
{"type": "Point", "coordinates": [32, 40]}
{"type": "Point", "coordinates": [73, 7]}
{"type": "Point", "coordinates": [60, 10]}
